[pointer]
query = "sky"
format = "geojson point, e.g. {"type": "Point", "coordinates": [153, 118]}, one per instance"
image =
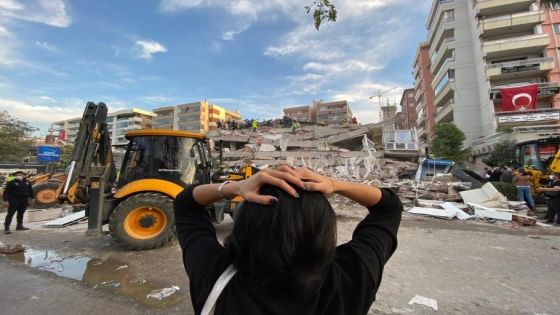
{"type": "Point", "coordinates": [257, 56]}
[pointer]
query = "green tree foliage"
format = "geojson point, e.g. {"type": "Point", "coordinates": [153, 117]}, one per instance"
{"type": "Point", "coordinates": [503, 154]}
{"type": "Point", "coordinates": [322, 10]}
{"type": "Point", "coordinates": [15, 138]}
{"type": "Point", "coordinates": [449, 143]}
{"type": "Point", "coordinates": [66, 154]}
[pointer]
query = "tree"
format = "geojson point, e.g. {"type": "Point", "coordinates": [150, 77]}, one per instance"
{"type": "Point", "coordinates": [322, 10]}
{"type": "Point", "coordinates": [503, 154]}
{"type": "Point", "coordinates": [66, 154]}
{"type": "Point", "coordinates": [15, 138]}
{"type": "Point", "coordinates": [449, 143]}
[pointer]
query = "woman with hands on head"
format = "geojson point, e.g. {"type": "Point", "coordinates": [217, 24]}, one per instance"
{"type": "Point", "coordinates": [281, 257]}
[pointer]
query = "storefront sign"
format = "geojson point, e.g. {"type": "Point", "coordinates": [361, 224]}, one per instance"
{"type": "Point", "coordinates": [528, 117]}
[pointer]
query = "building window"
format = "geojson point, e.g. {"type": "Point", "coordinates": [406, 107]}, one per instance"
{"type": "Point", "coordinates": [449, 15]}
{"type": "Point", "coordinates": [556, 27]}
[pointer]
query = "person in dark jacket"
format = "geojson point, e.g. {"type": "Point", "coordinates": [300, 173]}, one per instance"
{"type": "Point", "coordinates": [281, 257]}
{"type": "Point", "coordinates": [553, 195]}
{"type": "Point", "coordinates": [18, 194]}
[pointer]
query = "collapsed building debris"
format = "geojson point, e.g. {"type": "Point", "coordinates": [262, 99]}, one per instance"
{"type": "Point", "coordinates": [348, 153]}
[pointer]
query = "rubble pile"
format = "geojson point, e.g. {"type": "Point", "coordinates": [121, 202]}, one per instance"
{"type": "Point", "coordinates": [344, 152]}
{"type": "Point", "coordinates": [347, 153]}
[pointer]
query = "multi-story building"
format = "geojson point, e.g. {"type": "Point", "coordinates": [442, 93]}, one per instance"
{"type": "Point", "coordinates": [424, 98]}
{"type": "Point", "coordinates": [198, 116]}
{"type": "Point", "coordinates": [478, 48]}
{"type": "Point", "coordinates": [332, 113]}
{"type": "Point", "coordinates": [408, 108]}
{"type": "Point", "coordinates": [388, 112]}
{"type": "Point", "coordinates": [300, 113]}
{"type": "Point", "coordinates": [400, 121]}
{"type": "Point", "coordinates": [118, 124]}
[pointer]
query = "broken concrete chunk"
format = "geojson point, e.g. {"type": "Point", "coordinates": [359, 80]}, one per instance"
{"type": "Point", "coordinates": [422, 300]}
{"type": "Point", "coordinates": [265, 147]}
{"type": "Point", "coordinates": [438, 213]}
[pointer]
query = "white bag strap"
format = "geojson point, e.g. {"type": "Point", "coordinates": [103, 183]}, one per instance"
{"type": "Point", "coordinates": [219, 286]}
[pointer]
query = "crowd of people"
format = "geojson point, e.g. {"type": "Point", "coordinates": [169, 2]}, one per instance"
{"type": "Point", "coordinates": [253, 124]}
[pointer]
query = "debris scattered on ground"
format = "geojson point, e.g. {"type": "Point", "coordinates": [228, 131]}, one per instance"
{"type": "Point", "coordinates": [11, 249]}
{"type": "Point", "coordinates": [422, 300]}
{"type": "Point", "coordinates": [163, 293]}
{"type": "Point", "coordinates": [348, 153]}
{"type": "Point", "coordinates": [121, 267]}
{"type": "Point", "coordinates": [67, 220]}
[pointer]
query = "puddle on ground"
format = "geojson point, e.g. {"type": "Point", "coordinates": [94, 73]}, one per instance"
{"type": "Point", "coordinates": [108, 274]}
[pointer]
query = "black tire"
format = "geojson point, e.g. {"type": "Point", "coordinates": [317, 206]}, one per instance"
{"type": "Point", "coordinates": [45, 195]}
{"type": "Point", "coordinates": [154, 202]}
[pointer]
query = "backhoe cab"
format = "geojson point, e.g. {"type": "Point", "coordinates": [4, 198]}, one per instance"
{"type": "Point", "coordinates": [157, 166]}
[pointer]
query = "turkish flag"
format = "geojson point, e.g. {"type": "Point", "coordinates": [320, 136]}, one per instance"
{"type": "Point", "coordinates": [62, 135]}
{"type": "Point", "coordinates": [519, 98]}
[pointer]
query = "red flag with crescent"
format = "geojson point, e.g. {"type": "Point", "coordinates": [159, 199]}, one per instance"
{"type": "Point", "coordinates": [62, 135]}
{"type": "Point", "coordinates": [519, 98]}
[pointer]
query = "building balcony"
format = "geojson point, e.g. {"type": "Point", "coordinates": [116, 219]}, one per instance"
{"type": "Point", "coordinates": [510, 23]}
{"type": "Point", "coordinates": [445, 52]}
{"type": "Point", "coordinates": [494, 7]}
{"type": "Point", "coordinates": [419, 96]}
{"type": "Point", "coordinates": [444, 93]}
{"type": "Point", "coordinates": [446, 30]}
{"type": "Point", "coordinates": [444, 113]}
{"type": "Point", "coordinates": [538, 116]}
{"type": "Point", "coordinates": [533, 67]}
{"type": "Point", "coordinates": [546, 90]}
{"type": "Point", "coordinates": [421, 133]}
{"type": "Point", "coordinates": [442, 72]}
{"type": "Point", "coordinates": [421, 122]}
{"type": "Point", "coordinates": [437, 11]}
{"type": "Point", "coordinates": [519, 45]}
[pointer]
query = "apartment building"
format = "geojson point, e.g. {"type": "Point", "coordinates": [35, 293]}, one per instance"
{"type": "Point", "coordinates": [332, 113]}
{"type": "Point", "coordinates": [300, 113]}
{"type": "Point", "coordinates": [118, 124]}
{"type": "Point", "coordinates": [197, 116]}
{"type": "Point", "coordinates": [408, 108]}
{"type": "Point", "coordinates": [479, 48]}
{"type": "Point", "coordinates": [424, 97]}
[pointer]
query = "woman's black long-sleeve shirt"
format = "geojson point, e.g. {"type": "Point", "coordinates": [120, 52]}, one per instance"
{"type": "Point", "coordinates": [355, 276]}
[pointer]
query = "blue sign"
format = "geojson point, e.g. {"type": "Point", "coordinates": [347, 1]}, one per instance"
{"type": "Point", "coordinates": [48, 154]}
{"type": "Point", "coordinates": [440, 162]}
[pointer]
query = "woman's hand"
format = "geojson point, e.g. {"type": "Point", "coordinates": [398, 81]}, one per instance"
{"type": "Point", "coordinates": [281, 177]}
{"type": "Point", "coordinates": [316, 182]}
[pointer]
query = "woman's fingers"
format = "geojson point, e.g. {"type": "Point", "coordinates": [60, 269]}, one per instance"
{"type": "Point", "coordinates": [287, 176]}
{"type": "Point", "coordinates": [262, 199]}
{"type": "Point", "coordinates": [268, 179]}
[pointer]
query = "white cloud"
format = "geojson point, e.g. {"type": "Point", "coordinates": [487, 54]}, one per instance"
{"type": "Point", "coordinates": [45, 45]}
{"type": "Point", "coordinates": [149, 47]}
{"type": "Point", "coordinates": [49, 12]}
{"type": "Point", "coordinates": [47, 98]}
{"type": "Point", "coordinates": [157, 99]}
{"type": "Point", "coordinates": [38, 113]}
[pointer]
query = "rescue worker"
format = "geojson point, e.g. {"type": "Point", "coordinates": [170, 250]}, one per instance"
{"type": "Point", "coordinates": [254, 125]}
{"type": "Point", "coordinates": [18, 193]}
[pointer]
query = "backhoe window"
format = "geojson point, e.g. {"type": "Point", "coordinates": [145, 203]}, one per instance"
{"type": "Point", "coordinates": [170, 158]}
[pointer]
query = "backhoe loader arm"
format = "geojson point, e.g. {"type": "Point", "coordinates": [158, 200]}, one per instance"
{"type": "Point", "coordinates": [555, 164]}
{"type": "Point", "coordinates": [92, 149]}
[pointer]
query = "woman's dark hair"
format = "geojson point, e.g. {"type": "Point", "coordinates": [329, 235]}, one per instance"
{"type": "Point", "coordinates": [285, 247]}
